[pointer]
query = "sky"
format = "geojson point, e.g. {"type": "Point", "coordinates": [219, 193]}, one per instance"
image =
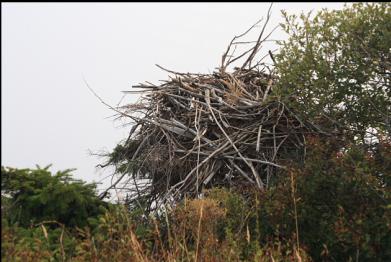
{"type": "Point", "coordinates": [49, 116]}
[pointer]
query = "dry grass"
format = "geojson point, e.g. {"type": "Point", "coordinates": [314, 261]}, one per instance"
{"type": "Point", "coordinates": [189, 233]}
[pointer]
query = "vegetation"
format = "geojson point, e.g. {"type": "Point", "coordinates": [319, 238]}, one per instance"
{"type": "Point", "coordinates": [336, 209]}
{"type": "Point", "coordinates": [337, 65]}
{"type": "Point", "coordinates": [37, 195]}
{"type": "Point", "coordinates": [333, 203]}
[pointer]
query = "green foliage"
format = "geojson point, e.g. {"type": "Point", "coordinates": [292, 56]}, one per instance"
{"type": "Point", "coordinates": [342, 205]}
{"type": "Point", "coordinates": [32, 244]}
{"type": "Point", "coordinates": [35, 195]}
{"type": "Point", "coordinates": [235, 205]}
{"type": "Point", "coordinates": [337, 63]}
{"type": "Point", "coordinates": [336, 66]}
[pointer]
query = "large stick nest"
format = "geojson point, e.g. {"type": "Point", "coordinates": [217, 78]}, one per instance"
{"type": "Point", "coordinates": [196, 131]}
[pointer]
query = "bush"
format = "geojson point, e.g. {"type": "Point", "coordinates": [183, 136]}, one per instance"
{"type": "Point", "coordinates": [38, 243]}
{"type": "Point", "coordinates": [341, 205]}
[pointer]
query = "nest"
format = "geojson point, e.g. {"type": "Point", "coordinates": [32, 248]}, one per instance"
{"type": "Point", "coordinates": [198, 131]}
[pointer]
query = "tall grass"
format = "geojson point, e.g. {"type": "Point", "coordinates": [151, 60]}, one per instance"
{"type": "Point", "coordinates": [196, 230]}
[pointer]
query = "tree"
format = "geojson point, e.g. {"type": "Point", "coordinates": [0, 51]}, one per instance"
{"type": "Point", "coordinates": [338, 66]}
{"type": "Point", "coordinates": [34, 195]}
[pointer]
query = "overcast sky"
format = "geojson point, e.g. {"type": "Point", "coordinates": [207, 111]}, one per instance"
{"type": "Point", "coordinates": [48, 114]}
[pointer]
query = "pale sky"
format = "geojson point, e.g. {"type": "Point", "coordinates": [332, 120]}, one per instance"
{"type": "Point", "coordinates": [48, 114]}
